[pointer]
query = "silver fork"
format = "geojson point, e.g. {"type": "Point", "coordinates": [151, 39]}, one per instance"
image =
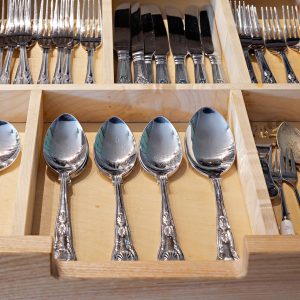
{"type": "Point", "coordinates": [44, 39]}
{"type": "Point", "coordinates": [243, 26]}
{"type": "Point", "coordinates": [67, 72]}
{"type": "Point", "coordinates": [22, 35]}
{"type": "Point", "coordinates": [275, 41]}
{"type": "Point", "coordinates": [91, 35]}
{"type": "Point", "coordinates": [291, 27]}
{"type": "Point", "coordinates": [286, 226]}
{"type": "Point", "coordinates": [2, 33]}
{"type": "Point", "coordinates": [62, 36]}
{"type": "Point", "coordinates": [258, 46]}
{"type": "Point", "coordinates": [289, 173]}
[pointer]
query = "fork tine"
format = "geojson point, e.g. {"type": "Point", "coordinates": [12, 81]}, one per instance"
{"type": "Point", "coordinates": [71, 19]}
{"type": "Point", "coordinates": [2, 17]}
{"type": "Point", "coordinates": [99, 30]}
{"type": "Point", "coordinates": [83, 29]}
{"type": "Point", "coordinates": [294, 30]}
{"type": "Point", "coordinates": [290, 22]}
{"type": "Point", "coordinates": [78, 17]}
{"type": "Point", "coordinates": [94, 20]}
{"type": "Point", "coordinates": [285, 27]}
{"type": "Point", "coordinates": [264, 23]}
{"type": "Point", "coordinates": [273, 24]}
{"type": "Point", "coordinates": [297, 21]}
{"type": "Point", "coordinates": [88, 19]}
{"type": "Point", "coordinates": [41, 15]}
{"type": "Point", "coordinates": [280, 33]}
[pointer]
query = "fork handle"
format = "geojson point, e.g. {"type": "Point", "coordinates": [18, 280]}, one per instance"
{"type": "Point", "coordinates": [1, 58]}
{"type": "Point", "coordinates": [199, 68]}
{"type": "Point", "coordinates": [5, 72]}
{"type": "Point", "coordinates": [250, 66]}
{"type": "Point", "coordinates": [297, 194]}
{"type": "Point", "coordinates": [44, 73]}
{"type": "Point", "coordinates": [266, 73]}
{"type": "Point", "coordinates": [23, 75]}
{"type": "Point", "coordinates": [124, 72]}
{"type": "Point", "coordinates": [90, 67]}
{"type": "Point", "coordinates": [290, 75]}
{"type": "Point", "coordinates": [58, 73]}
{"type": "Point", "coordinates": [67, 76]}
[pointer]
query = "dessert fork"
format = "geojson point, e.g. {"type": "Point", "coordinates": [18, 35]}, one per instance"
{"type": "Point", "coordinates": [258, 45]}
{"type": "Point", "coordinates": [289, 173]}
{"type": "Point", "coordinates": [91, 35]}
{"type": "Point", "coordinates": [291, 26]}
{"type": "Point", "coordinates": [274, 40]}
{"type": "Point", "coordinates": [286, 226]}
{"type": "Point", "coordinates": [62, 36]}
{"type": "Point", "coordinates": [44, 39]}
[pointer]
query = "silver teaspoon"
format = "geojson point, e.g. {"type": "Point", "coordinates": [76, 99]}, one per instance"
{"type": "Point", "coordinates": [66, 152]}
{"type": "Point", "coordinates": [210, 149]}
{"type": "Point", "coordinates": [9, 144]}
{"type": "Point", "coordinates": [161, 155]}
{"type": "Point", "coordinates": [115, 156]}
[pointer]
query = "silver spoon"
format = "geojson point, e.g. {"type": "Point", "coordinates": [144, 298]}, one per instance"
{"type": "Point", "coordinates": [210, 149]}
{"type": "Point", "coordinates": [161, 155]}
{"type": "Point", "coordinates": [115, 156]}
{"type": "Point", "coordinates": [66, 152]}
{"type": "Point", "coordinates": [9, 144]}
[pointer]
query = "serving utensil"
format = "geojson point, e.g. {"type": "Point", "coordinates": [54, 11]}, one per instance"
{"type": "Point", "coordinates": [9, 144]}
{"type": "Point", "coordinates": [115, 156]}
{"type": "Point", "coordinates": [66, 152]}
{"type": "Point", "coordinates": [160, 155]}
{"type": "Point", "coordinates": [210, 149]}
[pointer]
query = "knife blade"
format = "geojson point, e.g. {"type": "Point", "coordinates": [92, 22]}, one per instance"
{"type": "Point", "coordinates": [137, 45]}
{"type": "Point", "coordinates": [208, 47]}
{"type": "Point", "coordinates": [161, 45]}
{"type": "Point", "coordinates": [122, 42]}
{"type": "Point", "coordinates": [178, 43]}
{"type": "Point", "coordinates": [149, 39]}
{"type": "Point", "coordinates": [194, 45]}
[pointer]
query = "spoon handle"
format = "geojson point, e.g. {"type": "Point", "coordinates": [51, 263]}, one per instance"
{"type": "Point", "coordinates": [169, 248]}
{"type": "Point", "coordinates": [63, 242]}
{"type": "Point", "coordinates": [123, 248]}
{"type": "Point", "coordinates": [225, 242]}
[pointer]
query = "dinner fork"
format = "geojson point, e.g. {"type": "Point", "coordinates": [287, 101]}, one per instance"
{"type": "Point", "coordinates": [286, 226]}
{"type": "Point", "coordinates": [2, 34]}
{"type": "Point", "coordinates": [243, 26]}
{"type": "Point", "coordinates": [22, 35]}
{"type": "Point", "coordinates": [291, 27]}
{"type": "Point", "coordinates": [67, 72]}
{"type": "Point", "coordinates": [62, 36]}
{"type": "Point", "coordinates": [274, 40]}
{"type": "Point", "coordinates": [289, 173]}
{"type": "Point", "coordinates": [258, 45]}
{"type": "Point", "coordinates": [44, 39]}
{"type": "Point", "coordinates": [91, 35]}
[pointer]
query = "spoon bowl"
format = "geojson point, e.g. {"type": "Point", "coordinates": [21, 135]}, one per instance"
{"type": "Point", "coordinates": [66, 152]}
{"type": "Point", "coordinates": [9, 144]}
{"type": "Point", "coordinates": [161, 155]}
{"type": "Point", "coordinates": [115, 156]}
{"type": "Point", "coordinates": [210, 149]}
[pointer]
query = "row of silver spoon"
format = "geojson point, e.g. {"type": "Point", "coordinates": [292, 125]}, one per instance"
{"type": "Point", "coordinates": [209, 146]}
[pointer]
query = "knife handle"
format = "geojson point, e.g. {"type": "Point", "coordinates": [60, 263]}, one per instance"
{"type": "Point", "coordinates": [199, 68]}
{"type": "Point", "coordinates": [124, 73]}
{"type": "Point", "coordinates": [216, 67]}
{"type": "Point", "coordinates": [180, 69]}
{"type": "Point", "coordinates": [148, 65]}
{"type": "Point", "coordinates": [162, 75]}
{"type": "Point", "coordinates": [139, 67]}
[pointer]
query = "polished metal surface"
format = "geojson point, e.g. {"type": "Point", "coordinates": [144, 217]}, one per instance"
{"type": "Point", "coordinates": [178, 43]}
{"type": "Point", "coordinates": [9, 144]}
{"type": "Point", "coordinates": [137, 45]}
{"type": "Point", "coordinates": [161, 154]}
{"type": "Point", "coordinates": [208, 47]}
{"type": "Point", "coordinates": [122, 40]}
{"type": "Point", "coordinates": [290, 16]}
{"type": "Point", "coordinates": [66, 152]}
{"type": "Point", "coordinates": [194, 45]}
{"type": "Point", "coordinates": [210, 149]}
{"type": "Point", "coordinates": [149, 39]}
{"type": "Point", "coordinates": [274, 40]}
{"type": "Point", "coordinates": [161, 45]}
{"type": "Point", "coordinates": [288, 137]}
{"type": "Point", "coordinates": [115, 156]}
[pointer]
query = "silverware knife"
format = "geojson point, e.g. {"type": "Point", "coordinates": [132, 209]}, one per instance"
{"type": "Point", "coordinates": [208, 48]}
{"type": "Point", "coordinates": [122, 42]}
{"type": "Point", "coordinates": [149, 39]}
{"type": "Point", "coordinates": [137, 45]}
{"type": "Point", "coordinates": [161, 45]}
{"type": "Point", "coordinates": [194, 45]}
{"type": "Point", "coordinates": [178, 43]}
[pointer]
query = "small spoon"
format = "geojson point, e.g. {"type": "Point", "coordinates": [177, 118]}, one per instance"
{"type": "Point", "coordinates": [66, 152]}
{"type": "Point", "coordinates": [161, 155]}
{"type": "Point", "coordinates": [210, 149]}
{"type": "Point", "coordinates": [115, 156]}
{"type": "Point", "coordinates": [9, 144]}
